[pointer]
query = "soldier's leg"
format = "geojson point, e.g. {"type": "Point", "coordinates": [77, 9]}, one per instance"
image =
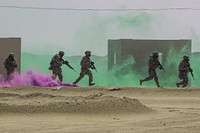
{"type": "Point", "coordinates": [180, 77]}
{"type": "Point", "coordinates": [156, 80]}
{"type": "Point", "coordinates": [180, 83]}
{"type": "Point", "coordinates": [8, 78]}
{"type": "Point", "coordinates": [54, 73]}
{"type": "Point", "coordinates": [79, 78]}
{"type": "Point", "coordinates": [8, 73]}
{"type": "Point", "coordinates": [185, 81]}
{"type": "Point", "coordinates": [60, 76]}
{"type": "Point", "coordinates": [150, 77]}
{"type": "Point", "coordinates": [183, 77]}
{"type": "Point", "coordinates": [82, 74]}
{"type": "Point", "coordinates": [89, 73]}
{"type": "Point", "coordinates": [146, 79]}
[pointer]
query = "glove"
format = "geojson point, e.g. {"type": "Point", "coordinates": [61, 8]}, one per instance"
{"type": "Point", "coordinates": [92, 63]}
{"type": "Point", "coordinates": [65, 62]}
{"type": "Point", "coordinates": [50, 68]}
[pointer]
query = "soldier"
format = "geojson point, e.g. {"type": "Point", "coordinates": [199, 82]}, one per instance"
{"type": "Point", "coordinates": [184, 69]}
{"type": "Point", "coordinates": [55, 66]}
{"type": "Point", "coordinates": [153, 65]}
{"type": "Point", "coordinates": [10, 64]}
{"type": "Point", "coordinates": [86, 63]}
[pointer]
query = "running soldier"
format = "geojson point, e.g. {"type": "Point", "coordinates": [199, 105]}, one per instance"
{"type": "Point", "coordinates": [55, 66]}
{"type": "Point", "coordinates": [184, 69]}
{"type": "Point", "coordinates": [86, 64]}
{"type": "Point", "coordinates": [153, 65]}
{"type": "Point", "coordinates": [10, 64]}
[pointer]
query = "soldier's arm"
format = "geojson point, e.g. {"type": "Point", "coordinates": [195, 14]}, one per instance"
{"type": "Point", "coordinates": [180, 66]}
{"type": "Point", "coordinates": [5, 62]}
{"type": "Point", "coordinates": [14, 63]}
{"type": "Point", "coordinates": [57, 60]}
{"type": "Point", "coordinates": [9, 62]}
{"type": "Point", "coordinates": [151, 62]}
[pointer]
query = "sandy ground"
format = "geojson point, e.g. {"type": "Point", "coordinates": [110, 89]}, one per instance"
{"type": "Point", "coordinates": [99, 110]}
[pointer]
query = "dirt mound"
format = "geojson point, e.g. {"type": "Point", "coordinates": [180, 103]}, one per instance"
{"type": "Point", "coordinates": [92, 104]}
{"type": "Point", "coordinates": [8, 95]}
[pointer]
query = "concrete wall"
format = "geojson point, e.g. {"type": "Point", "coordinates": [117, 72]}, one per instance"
{"type": "Point", "coordinates": [114, 52]}
{"type": "Point", "coordinates": [9, 45]}
{"type": "Point", "coordinates": [140, 50]}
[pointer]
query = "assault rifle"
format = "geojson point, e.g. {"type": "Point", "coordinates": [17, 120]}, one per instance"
{"type": "Point", "coordinates": [93, 66]}
{"type": "Point", "coordinates": [67, 64]}
{"type": "Point", "coordinates": [191, 71]}
{"type": "Point", "coordinates": [160, 66]}
{"type": "Point", "coordinates": [158, 63]}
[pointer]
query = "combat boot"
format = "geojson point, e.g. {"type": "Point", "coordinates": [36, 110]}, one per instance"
{"type": "Point", "coordinates": [158, 85]}
{"type": "Point", "coordinates": [141, 82]}
{"type": "Point", "coordinates": [91, 84]}
{"type": "Point", "coordinates": [157, 82]}
{"type": "Point", "coordinates": [184, 86]}
{"type": "Point", "coordinates": [177, 84]}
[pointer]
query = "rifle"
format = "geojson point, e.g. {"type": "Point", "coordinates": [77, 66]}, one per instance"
{"type": "Point", "coordinates": [67, 63]}
{"type": "Point", "coordinates": [93, 66]}
{"type": "Point", "coordinates": [191, 71]}
{"type": "Point", "coordinates": [160, 66]}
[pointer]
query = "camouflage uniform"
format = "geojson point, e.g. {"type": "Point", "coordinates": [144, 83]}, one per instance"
{"type": "Point", "coordinates": [10, 64]}
{"type": "Point", "coordinates": [55, 66]}
{"type": "Point", "coordinates": [184, 69]}
{"type": "Point", "coordinates": [85, 63]}
{"type": "Point", "coordinates": [153, 65]}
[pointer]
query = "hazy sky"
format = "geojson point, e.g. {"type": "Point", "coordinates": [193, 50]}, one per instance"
{"type": "Point", "coordinates": [48, 31]}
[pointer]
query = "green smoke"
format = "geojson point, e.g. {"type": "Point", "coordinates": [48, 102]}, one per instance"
{"type": "Point", "coordinates": [40, 63]}
{"type": "Point", "coordinates": [94, 31]}
{"type": "Point", "coordinates": [170, 77]}
{"type": "Point", "coordinates": [93, 35]}
{"type": "Point", "coordinates": [120, 75]}
{"type": "Point", "coordinates": [195, 63]}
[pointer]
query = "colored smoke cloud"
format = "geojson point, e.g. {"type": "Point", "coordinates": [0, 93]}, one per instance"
{"type": "Point", "coordinates": [30, 78]}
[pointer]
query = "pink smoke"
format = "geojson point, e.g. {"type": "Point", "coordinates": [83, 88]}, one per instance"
{"type": "Point", "coordinates": [31, 78]}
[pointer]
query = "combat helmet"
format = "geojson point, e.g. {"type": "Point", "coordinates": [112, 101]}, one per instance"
{"type": "Point", "coordinates": [11, 55]}
{"type": "Point", "coordinates": [155, 54]}
{"type": "Point", "coordinates": [88, 53]}
{"type": "Point", "coordinates": [186, 57]}
{"type": "Point", "coordinates": [61, 53]}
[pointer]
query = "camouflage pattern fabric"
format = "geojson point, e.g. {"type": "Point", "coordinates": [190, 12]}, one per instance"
{"type": "Point", "coordinates": [153, 64]}
{"type": "Point", "coordinates": [184, 69]}
{"type": "Point", "coordinates": [55, 66]}
{"type": "Point", "coordinates": [85, 65]}
{"type": "Point", "coordinates": [10, 65]}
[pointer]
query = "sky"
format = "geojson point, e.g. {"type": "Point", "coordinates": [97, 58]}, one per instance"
{"type": "Point", "coordinates": [47, 31]}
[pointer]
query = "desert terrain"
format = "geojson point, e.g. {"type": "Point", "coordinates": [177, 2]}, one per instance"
{"type": "Point", "coordinates": [99, 110]}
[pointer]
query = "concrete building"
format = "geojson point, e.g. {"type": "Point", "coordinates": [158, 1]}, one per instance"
{"type": "Point", "coordinates": [140, 50]}
{"type": "Point", "coordinates": [9, 45]}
